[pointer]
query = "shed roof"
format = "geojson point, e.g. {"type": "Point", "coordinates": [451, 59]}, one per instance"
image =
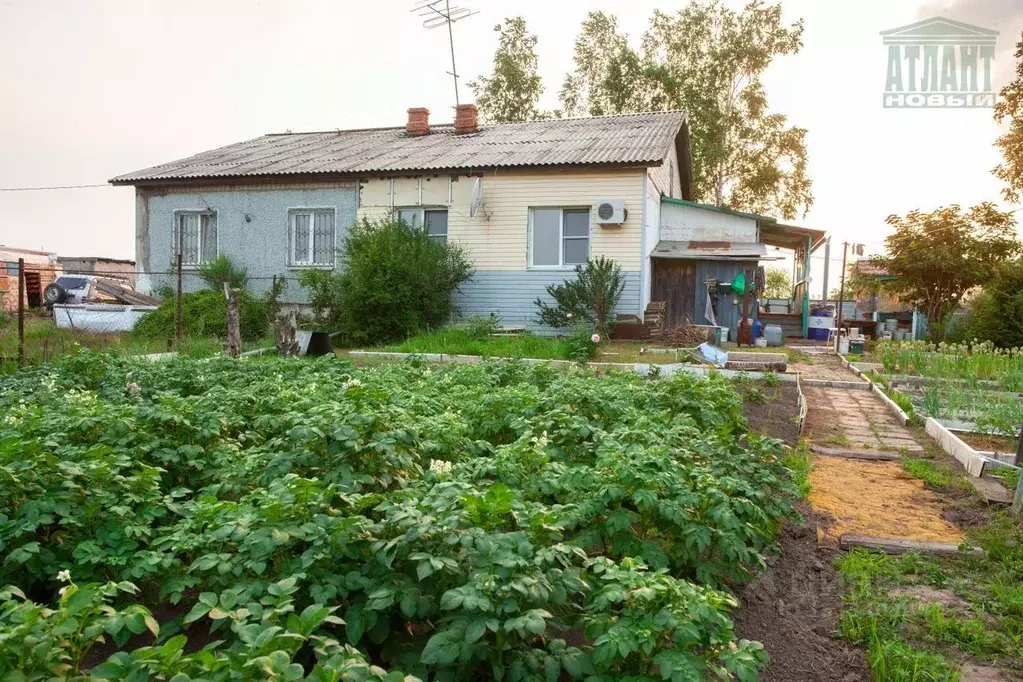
{"type": "Point", "coordinates": [743, 251]}
{"type": "Point", "coordinates": [620, 140]}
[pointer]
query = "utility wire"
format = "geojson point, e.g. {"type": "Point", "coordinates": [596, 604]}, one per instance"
{"type": "Point", "coordinates": [40, 189]}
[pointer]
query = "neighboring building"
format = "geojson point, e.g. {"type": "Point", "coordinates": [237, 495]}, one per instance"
{"type": "Point", "coordinates": [40, 269]}
{"type": "Point", "coordinates": [113, 268]}
{"type": "Point", "coordinates": [528, 201]}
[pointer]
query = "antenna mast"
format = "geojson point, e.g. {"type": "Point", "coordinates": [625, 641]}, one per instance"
{"type": "Point", "coordinates": [437, 13]}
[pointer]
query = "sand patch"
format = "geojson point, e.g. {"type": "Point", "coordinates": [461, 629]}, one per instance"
{"type": "Point", "coordinates": [878, 499]}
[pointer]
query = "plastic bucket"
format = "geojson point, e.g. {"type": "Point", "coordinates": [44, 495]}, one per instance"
{"type": "Point", "coordinates": [856, 347]}
{"type": "Point", "coordinates": [843, 346]}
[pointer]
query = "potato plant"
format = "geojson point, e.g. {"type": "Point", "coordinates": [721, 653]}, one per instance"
{"type": "Point", "coordinates": [290, 519]}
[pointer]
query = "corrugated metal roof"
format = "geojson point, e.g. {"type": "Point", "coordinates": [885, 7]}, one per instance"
{"type": "Point", "coordinates": [627, 139]}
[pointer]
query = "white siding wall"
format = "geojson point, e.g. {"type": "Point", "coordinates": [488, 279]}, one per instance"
{"type": "Point", "coordinates": [691, 223]}
{"type": "Point", "coordinates": [499, 243]}
{"type": "Point", "coordinates": [665, 178]}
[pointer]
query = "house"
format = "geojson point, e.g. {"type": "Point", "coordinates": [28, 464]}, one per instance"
{"type": "Point", "coordinates": [528, 201]}
{"type": "Point", "coordinates": [40, 269]}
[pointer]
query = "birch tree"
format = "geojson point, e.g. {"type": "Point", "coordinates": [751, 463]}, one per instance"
{"type": "Point", "coordinates": [707, 60]}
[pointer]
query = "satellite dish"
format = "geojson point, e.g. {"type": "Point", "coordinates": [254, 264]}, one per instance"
{"type": "Point", "coordinates": [476, 197]}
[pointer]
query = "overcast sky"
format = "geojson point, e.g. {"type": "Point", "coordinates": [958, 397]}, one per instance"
{"type": "Point", "coordinates": [95, 88]}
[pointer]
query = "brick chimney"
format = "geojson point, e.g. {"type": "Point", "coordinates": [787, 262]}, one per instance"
{"type": "Point", "coordinates": [466, 119]}
{"type": "Point", "coordinates": [418, 122]}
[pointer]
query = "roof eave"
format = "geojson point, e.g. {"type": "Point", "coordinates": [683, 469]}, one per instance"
{"type": "Point", "coordinates": [122, 181]}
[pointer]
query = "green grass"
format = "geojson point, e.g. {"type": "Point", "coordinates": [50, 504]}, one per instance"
{"type": "Point", "coordinates": [907, 639]}
{"type": "Point", "coordinates": [45, 342]}
{"type": "Point", "coordinates": [457, 341]}
{"type": "Point", "coordinates": [798, 460]}
{"type": "Point", "coordinates": [1007, 475]}
{"type": "Point", "coordinates": [933, 474]}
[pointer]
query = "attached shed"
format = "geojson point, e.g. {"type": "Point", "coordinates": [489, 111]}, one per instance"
{"type": "Point", "coordinates": [702, 249]}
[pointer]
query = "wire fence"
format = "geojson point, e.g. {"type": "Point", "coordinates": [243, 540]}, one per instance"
{"type": "Point", "coordinates": [38, 321]}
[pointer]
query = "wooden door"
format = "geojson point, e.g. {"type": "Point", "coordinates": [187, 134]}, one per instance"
{"type": "Point", "coordinates": [674, 282]}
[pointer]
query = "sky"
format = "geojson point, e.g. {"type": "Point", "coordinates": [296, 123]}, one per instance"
{"type": "Point", "coordinates": [96, 88]}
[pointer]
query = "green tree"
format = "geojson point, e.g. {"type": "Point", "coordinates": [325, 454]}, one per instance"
{"type": "Point", "coordinates": [779, 284]}
{"type": "Point", "coordinates": [510, 94]}
{"type": "Point", "coordinates": [997, 313]}
{"type": "Point", "coordinates": [935, 258]}
{"type": "Point", "coordinates": [1010, 108]}
{"type": "Point", "coordinates": [707, 60]}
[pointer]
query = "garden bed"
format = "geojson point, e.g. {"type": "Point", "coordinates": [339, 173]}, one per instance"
{"type": "Point", "coordinates": [457, 518]}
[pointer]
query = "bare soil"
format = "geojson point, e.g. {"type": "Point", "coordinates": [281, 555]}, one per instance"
{"type": "Point", "coordinates": [776, 416]}
{"type": "Point", "coordinates": [987, 443]}
{"type": "Point", "coordinates": [792, 607]}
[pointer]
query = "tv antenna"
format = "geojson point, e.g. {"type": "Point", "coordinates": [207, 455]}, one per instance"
{"type": "Point", "coordinates": [437, 13]}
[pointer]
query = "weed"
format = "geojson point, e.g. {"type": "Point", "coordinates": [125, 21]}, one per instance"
{"type": "Point", "coordinates": [798, 461]}
{"type": "Point", "coordinates": [839, 439]}
{"type": "Point", "coordinates": [932, 474]}
{"type": "Point", "coordinates": [771, 379]}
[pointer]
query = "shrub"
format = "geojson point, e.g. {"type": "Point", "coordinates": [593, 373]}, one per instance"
{"type": "Point", "coordinates": [203, 313]}
{"type": "Point", "coordinates": [397, 281]}
{"type": "Point", "coordinates": [582, 346]}
{"type": "Point", "coordinates": [591, 297]}
{"type": "Point", "coordinates": [478, 327]}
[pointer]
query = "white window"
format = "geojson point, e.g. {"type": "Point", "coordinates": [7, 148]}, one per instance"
{"type": "Point", "coordinates": [195, 237]}
{"type": "Point", "coordinates": [435, 220]}
{"type": "Point", "coordinates": [558, 237]}
{"type": "Point", "coordinates": [311, 237]}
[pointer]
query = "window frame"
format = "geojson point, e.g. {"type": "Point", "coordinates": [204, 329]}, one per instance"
{"type": "Point", "coordinates": [422, 211]}
{"type": "Point", "coordinates": [311, 211]}
{"type": "Point", "coordinates": [176, 246]}
{"type": "Point", "coordinates": [562, 265]}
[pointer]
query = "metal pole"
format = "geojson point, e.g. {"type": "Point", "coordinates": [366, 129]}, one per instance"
{"type": "Point", "coordinates": [827, 263]}
{"type": "Point", "coordinates": [21, 312]}
{"type": "Point", "coordinates": [178, 330]}
{"type": "Point", "coordinates": [841, 287]}
{"type": "Point", "coordinates": [451, 41]}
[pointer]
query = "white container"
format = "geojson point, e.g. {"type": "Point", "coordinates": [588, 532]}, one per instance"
{"type": "Point", "coordinates": [854, 333]}
{"type": "Point", "coordinates": [891, 325]}
{"type": "Point", "coordinates": [760, 343]}
{"type": "Point", "coordinates": [773, 335]}
{"type": "Point", "coordinates": [843, 346]}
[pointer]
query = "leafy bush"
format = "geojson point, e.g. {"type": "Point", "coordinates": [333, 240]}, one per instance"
{"type": "Point", "coordinates": [581, 343]}
{"type": "Point", "coordinates": [396, 281]}
{"type": "Point", "coordinates": [204, 314]}
{"type": "Point", "coordinates": [477, 327]}
{"type": "Point", "coordinates": [591, 297]}
{"type": "Point", "coordinates": [457, 522]}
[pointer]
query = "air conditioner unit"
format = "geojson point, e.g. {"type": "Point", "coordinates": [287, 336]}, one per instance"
{"type": "Point", "coordinates": [610, 212]}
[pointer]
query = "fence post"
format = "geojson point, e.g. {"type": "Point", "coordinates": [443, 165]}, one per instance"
{"type": "Point", "coordinates": [20, 312]}
{"type": "Point", "coordinates": [178, 331]}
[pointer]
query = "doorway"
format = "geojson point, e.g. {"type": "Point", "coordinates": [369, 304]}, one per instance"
{"type": "Point", "coordinates": [674, 282]}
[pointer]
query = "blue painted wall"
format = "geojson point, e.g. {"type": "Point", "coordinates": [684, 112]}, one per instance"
{"type": "Point", "coordinates": [728, 313]}
{"type": "Point", "coordinates": [510, 294]}
{"type": "Point", "coordinates": [260, 245]}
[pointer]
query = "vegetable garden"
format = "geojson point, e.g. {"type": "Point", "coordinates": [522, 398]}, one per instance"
{"type": "Point", "coordinates": [978, 385]}
{"type": "Point", "coordinates": [289, 519]}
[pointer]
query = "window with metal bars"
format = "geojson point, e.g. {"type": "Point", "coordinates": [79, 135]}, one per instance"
{"type": "Point", "coordinates": [195, 237]}
{"type": "Point", "coordinates": [311, 237]}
